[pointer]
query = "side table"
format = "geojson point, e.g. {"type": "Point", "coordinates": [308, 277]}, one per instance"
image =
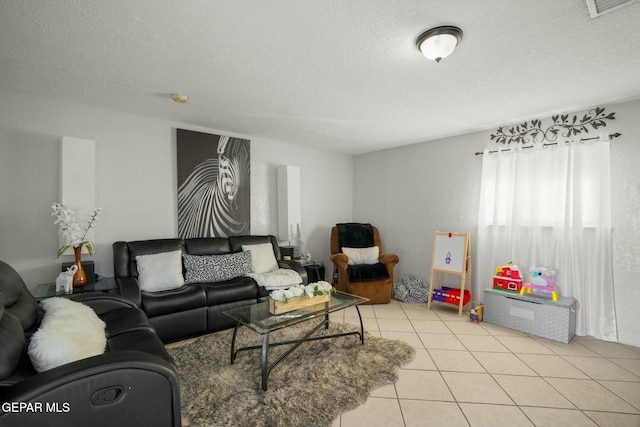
{"type": "Point", "coordinates": [315, 270]}
{"type": "Point", "coordinates": [103, 284]}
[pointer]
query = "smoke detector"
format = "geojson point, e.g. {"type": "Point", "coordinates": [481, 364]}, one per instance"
{"type": "Point", "coordinates": [600, 7]}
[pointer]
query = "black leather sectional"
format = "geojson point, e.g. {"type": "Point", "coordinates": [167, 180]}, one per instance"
{"type": "Point", "coordinates": [132, 383]}
{"type": "Point", "coordinates": [193, 309]}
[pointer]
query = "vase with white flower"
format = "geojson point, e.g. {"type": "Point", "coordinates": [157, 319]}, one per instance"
{"type": "Point", "coordinates": [74, 236]}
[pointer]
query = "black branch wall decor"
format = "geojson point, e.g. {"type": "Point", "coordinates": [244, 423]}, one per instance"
{"type": "Point", "coordinates": [563, 126]}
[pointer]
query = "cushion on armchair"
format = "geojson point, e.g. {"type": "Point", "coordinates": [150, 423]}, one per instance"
{"type": "Point", "coordinates": [367, 272]}
{"type": "Point", "coordinates": [362, 255]}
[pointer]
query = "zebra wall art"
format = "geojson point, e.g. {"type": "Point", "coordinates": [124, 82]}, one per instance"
{"type": "Point", "coordinates": [213, 185]}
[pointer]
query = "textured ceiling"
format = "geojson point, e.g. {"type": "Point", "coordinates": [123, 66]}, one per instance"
{"type": "Point", "coordinates": [338, 75]}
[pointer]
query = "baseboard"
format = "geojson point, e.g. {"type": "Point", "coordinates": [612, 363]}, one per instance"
{"type": "Point", "coordinates": [634, 341]}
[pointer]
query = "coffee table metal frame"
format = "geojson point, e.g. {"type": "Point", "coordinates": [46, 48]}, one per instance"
{"type": "Point", "coordinates": [257, 318]}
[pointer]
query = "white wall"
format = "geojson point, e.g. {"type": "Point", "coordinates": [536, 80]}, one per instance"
{"type": "Point", "coordinates": [409, 193]}
{"type": "Point", "coordinates": [414, 191]}
{"type": "Point", "coordinates": [625, 212]}
{"type": "Point", "coordinates": [136, 182]}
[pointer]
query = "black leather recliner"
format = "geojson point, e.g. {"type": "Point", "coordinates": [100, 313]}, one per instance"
{"type": "Point", "coordinates": [133, 383]}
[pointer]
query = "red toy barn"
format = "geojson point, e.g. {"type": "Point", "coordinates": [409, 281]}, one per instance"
{"type": "Point", "coordinates": [508, 278]}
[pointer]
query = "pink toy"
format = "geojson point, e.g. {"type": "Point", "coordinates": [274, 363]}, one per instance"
{"type": "Point", "coordinates": [541, 280]}
{"type": "Point", "coordinates": [542, 276]}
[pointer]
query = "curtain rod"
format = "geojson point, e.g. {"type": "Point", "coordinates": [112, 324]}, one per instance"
{"type": "Point", "coordinates": [525, 147]}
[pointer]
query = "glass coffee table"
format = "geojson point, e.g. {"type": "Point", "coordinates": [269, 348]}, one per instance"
{"type": "Point", "coordinates": [257, 318]}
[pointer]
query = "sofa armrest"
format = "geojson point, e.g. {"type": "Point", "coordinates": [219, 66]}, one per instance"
{"type": "Point", "coordinates": [295, 265]}
{"type": "Point", "coordinates": [102, 303]}
{"type": "Point", "coordinates": [129, 289]}
{"type": "Point", "coordinates": [119, 388]}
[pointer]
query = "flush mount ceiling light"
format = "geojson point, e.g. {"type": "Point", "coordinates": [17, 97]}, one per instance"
{"type": "Point", "coordinates": [179, 98]}
{"type": "Point", "coordinates": [439, 42]}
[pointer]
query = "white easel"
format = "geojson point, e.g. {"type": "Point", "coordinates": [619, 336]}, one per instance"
{"type": "Point", "coordinates": [452, 255]}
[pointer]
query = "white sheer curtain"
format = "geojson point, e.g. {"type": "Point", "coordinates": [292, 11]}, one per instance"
{"type": "Point", "coordinates": [550, 207]}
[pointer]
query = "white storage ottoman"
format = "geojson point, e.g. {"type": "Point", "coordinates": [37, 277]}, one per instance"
{"type": "Point", "coordinates": [533, 315]}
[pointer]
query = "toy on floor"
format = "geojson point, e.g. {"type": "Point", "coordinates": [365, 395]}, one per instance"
{"type": "Point", "coordinates": [542, 279]}
{"type": "Point", "coordinates": [508, 278]}
{"type": "Point", "coordinates": [476, 313]}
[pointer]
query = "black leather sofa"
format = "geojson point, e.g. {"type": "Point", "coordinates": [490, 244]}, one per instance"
{"type": "Point", "coordinates": [192, 309]}
{"type": "Point", "coordinates": [132, 384]}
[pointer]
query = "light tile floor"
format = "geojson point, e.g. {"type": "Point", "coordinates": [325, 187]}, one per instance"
{"type": "Point", "coordinates": [467, 374]}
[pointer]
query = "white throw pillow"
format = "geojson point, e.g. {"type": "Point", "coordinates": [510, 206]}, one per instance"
{"type": "Point", "coordinates": [263, 260]}
{"type": "Point", "coordinates": [69, 331]}
{"type": "Point", "coordinates": [161, 271]}
{"type": "Point", "coordinates": [362, 255]}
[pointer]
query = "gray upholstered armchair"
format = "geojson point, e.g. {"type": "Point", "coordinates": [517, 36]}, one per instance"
{"type": "Point", "coordinates": [372, 279]}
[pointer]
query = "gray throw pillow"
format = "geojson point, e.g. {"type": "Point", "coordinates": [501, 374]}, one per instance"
{"type": "Point", "coordinates": [216, 268]}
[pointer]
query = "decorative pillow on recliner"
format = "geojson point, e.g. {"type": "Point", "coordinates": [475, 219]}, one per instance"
{"type": "Point", "coordinates": [216, 268]}
{"type": "Point", "coordinates": [160, 272]}
{"type": "Point", "coordinates": [362, 255]}
{"type": "Point", "coordinates": [263, 260]}
{"type": "Point", "coordinates": [69, 331]}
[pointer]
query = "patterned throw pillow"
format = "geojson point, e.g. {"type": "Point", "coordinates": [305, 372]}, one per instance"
{"type": "Point", "coordinates": [216, 268]}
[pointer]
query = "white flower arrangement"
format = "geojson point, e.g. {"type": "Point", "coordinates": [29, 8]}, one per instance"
{"type": "Point", "coordinates": [308, 291]}
{"type": "Point", "coordinates": [69, 229]}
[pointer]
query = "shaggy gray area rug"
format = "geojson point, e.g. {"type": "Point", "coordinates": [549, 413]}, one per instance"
{"type": "Point", "coordinates": [311, 387]}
